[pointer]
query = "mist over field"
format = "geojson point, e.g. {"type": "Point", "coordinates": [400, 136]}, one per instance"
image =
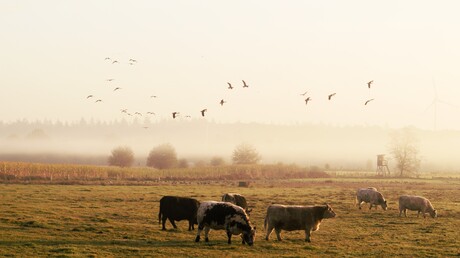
{"type": "Point", "coordinates": [340, 147]}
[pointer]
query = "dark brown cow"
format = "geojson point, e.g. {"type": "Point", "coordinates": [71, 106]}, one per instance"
{"type": "Point", "coordinates": [291, 217]}
{"type": "Point", "coordinates": [236, 199]}
{"type": "Point", "coordinates": [174, 208]}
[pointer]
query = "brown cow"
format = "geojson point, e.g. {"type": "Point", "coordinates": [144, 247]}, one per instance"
{"type": "Point", "coordinates": [236, 199]}
{"type": "Point", "coordinates": [416, 203]}
{"type": "Point", "coordinates": [291, 217]}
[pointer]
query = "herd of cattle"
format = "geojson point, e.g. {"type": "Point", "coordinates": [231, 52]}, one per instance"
{"type": "Point", "coordinates": [232, 214]}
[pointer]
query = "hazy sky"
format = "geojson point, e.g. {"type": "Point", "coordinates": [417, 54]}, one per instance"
{"type": "Point", "coordinates": [53, 56]}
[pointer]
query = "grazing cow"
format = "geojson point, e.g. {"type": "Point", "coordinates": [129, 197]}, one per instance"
{"type": "Point", "coordinates": [292, 217]}
{"type": "Point", "coordinates": [224, 215]}
{"type": "Point", "coordinates": [372, 196]}
{"type": "Point", "coordinates": [236, 199]}
{"type": "Point", "coordinates": [177, 208]}
{"type": "Point", "coordinates": [416, 203]}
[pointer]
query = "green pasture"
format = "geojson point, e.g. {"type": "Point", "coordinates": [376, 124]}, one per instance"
{"type": "Point", "coordinates": [122, 221]}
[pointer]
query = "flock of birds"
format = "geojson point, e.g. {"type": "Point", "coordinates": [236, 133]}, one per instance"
{"type": "Point", "coordinates": [175, 114]}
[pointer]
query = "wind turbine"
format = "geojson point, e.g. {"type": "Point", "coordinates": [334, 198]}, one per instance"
{"type": "Point", "coordinates": [434, 105]}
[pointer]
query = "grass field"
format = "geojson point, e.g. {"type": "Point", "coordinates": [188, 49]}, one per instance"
{"type": "Point", "coordinates": [122, 221]}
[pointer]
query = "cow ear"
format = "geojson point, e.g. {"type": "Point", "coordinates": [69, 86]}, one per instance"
{"type": "Point", "coordinates": [254, 228]}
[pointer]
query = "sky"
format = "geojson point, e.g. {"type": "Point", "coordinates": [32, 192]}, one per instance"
{"type": "Point", "coordinates": [53, 55]}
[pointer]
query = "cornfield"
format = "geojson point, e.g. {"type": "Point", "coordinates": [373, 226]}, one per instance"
{"type": "Point", "coordinates": [68, 173]}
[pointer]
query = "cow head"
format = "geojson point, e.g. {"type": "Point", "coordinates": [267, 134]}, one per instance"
{"type": "Point", "coordinates": [249, 236]}
{"type": "Point", "coordinates": [329, 212]}
{"type": "Point", "coordinates": [433, 214]}
{"type": "Point", "coordinates": [384, 205]}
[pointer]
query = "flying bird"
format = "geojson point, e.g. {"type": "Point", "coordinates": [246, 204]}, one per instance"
{"type": "Point", "coordinates": [245, 85]}
{"type": "Point", "coordinates": [137, 113]}
{"type": "Point", "coordinates": [303, 94]}
{"type": "Point", "coordinates": [146, 127]}
{"type": "Point", "coordinates": [369, 84]}
{"type": "Point", "coordinates": [229, 86]}
{"type": "Point", "coordinates": [188, 116]}
{"type": "Point", "coordinates": [133, 60]}
{"type": "Point", "coordinates": [124, 110]}
{"type": "Point", "coordinates": [153, 96]}
{"type": "Point", "coordinates": [203, 111]}
{"type": "Point", "coordinates": [306, 100]}
{"type": "Point", "coordinates": [117, 88]}
{"type": "Point", "coordinates": [174, 114]}
{"type": "Point", "coordinates": [150, 113]}
{"type": "Point", "coordinates": [330, 96]}
{"type": "Point", "coordinates": [367, 101]}
{"type": "Point", "coordinates": [109, 80]}
{"type": "Point", "coordinates": [99, 100]}
{"type": "Point", "coordinates": [222, 102]}
{"type": "Point", "coordinates": [115, 61]}
{"type": "Point", "coordinates": [89, 96]}
{"type": "Point", "coordinates": [107, 58]}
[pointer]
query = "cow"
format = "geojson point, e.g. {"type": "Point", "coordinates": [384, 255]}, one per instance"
{"type": "Point", "coordinates": [175, 208]}
{"type": "Point", "coordinates": [295, 217]}
{"type": "Point", "coordinates": [228, 216]}
{"type": "Point", "coordinates": [372, 196]}
{"type": "Point", "coordinates": [236, 199]}
{"type": "Point", "coordinates": [416, 203]}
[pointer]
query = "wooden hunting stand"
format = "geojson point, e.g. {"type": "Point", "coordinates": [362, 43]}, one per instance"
{"type": "Point", "coordinates": [382, 165]}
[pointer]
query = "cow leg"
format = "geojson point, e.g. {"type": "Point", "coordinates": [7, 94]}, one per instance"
{"type": "Point", "coordinates": [172, 223]}
{"type": "Point", "coordinates": [418, 214]}
{"type": "Point", "coordinates": [278, 233]}
{"type": "Point", "coordinates": [400, 212]}
{"type": "Point", "coordinates": [307, 235]}
{"type": "Point", "coordinates": [206, 232]}
{"type": "Point", "coordinates": [190, 225]}
{"type": "Point", "coordinates": [405, 213]}
{"type": "Point", "coordinates": [229, 236]}
{"type": "Point", "coordinates": [163, 222]}
{"type": "Point", "coordinates": [198, 233]}
{"type": "Point", "coordinates": [269, 231]}
{"type": "Point", "coordinates": [359, 203]}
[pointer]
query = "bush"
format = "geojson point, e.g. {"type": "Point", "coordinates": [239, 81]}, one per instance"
{"type": "Point", "coordinates": [162, 156]}
{"type": "Point", "coordinates": [217, 161]}
{"type": "Point", "coordinates": [245, 154]}
{"type": "Point", "coordinates": [122, 157]}
{"type": "Point", "coordinates": [182, 163]}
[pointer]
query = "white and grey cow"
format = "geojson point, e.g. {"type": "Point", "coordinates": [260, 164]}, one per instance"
{"type": "Point", "coordinates": [224, 216]}
{"type": "Point", "coordinates": [293, 217]}
{"type": "Point", "coordinates": [416, 203]}
{"type": "Point", "coordinates": [372, 196]}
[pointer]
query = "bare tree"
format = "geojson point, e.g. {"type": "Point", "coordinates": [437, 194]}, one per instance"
{"type": "Point", "coordinates": [404, 148]}
{"type": "Point", "coordinates": [245, 154]}
{"type": "Point", "coordinates": [122, 157]}
{"type": "Point", "coordinates": [162, 156]}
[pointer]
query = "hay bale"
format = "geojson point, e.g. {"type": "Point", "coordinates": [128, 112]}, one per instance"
{"type": "Point", "coordinates": [243, 184]}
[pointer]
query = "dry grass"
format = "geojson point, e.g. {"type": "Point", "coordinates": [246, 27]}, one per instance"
{"type": "Point", "coordinates": [122, 221]}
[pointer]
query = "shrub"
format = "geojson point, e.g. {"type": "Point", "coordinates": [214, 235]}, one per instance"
{"type": "Point", "coordinates": [122, 157]}
{"type": "Point", "coordinates": [245, 154]}
{"type": "Point", "coordinates": [162, 156]}
{"type": "Point", "coordinates": [217, 161]}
